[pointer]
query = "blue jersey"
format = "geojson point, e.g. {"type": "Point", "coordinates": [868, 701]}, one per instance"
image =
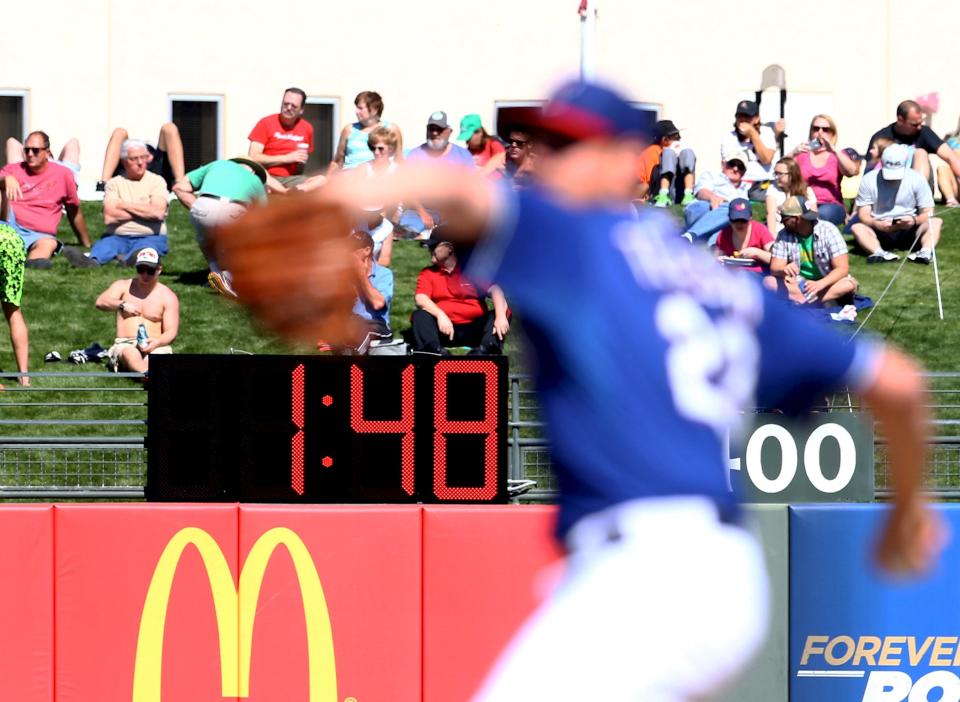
{"type": "Point", "coordinates": [645, 351]}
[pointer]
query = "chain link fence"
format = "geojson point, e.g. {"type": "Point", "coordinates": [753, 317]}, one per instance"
{"type": "Point", "coordinates": [81, 435]}
{"type": "Point", "coordinates": [73, 435]}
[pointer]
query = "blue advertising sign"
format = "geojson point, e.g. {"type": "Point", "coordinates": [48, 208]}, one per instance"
{"type": "Point", "coordinates": [858, 635]}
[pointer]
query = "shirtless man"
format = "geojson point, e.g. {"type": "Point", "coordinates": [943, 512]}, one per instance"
{"type": "Point", "coordinates": [141, 300]}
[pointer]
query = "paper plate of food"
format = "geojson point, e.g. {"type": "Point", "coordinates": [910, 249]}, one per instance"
{"type": "Point", "coordinates": [737, 261]}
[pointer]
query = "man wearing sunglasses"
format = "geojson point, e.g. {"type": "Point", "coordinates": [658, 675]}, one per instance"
{"type": "Point", "coordinates": [141, 300]}
{"type": "Point", "coordinates": [520, 159]}
{"type": "Point", "coordinates": [910, 130]}
{"type": "Point", "coordinates": [34, 193]}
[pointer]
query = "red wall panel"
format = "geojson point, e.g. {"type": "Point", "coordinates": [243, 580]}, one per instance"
{"type": "Point", "coordinates": [402, 603]}
{"type": "Point", "coordinates": [484, 571]}
{"type": "Point", "coordinates": [106, 558]}
{"type": "Point", "coordinates": [26, 603]}
{"type": "Point", "coordinates": [367, 560]}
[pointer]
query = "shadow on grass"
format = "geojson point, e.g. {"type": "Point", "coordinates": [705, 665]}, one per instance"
{"type": "Point", "coordinates": [193, 277]}
{"type": "Point", "coordinates": [893, 322]}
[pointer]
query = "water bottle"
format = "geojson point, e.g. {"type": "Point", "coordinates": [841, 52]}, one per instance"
{"type": "Point", "coordinates": [142, 336]}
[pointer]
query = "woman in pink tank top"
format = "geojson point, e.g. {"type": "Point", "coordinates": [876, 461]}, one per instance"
{"type": "Point", "coordinates": [823, 165]}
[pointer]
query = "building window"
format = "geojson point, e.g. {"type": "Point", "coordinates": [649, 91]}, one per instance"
{"type": "Point", "coordinates": [13, 114]}
{"type": "Point", "coordinates": [322, 113]}
{"type": "Point", "coordinates": [200, 121]}
{"type": "Point", "coordinates": [507, 114]}
{"type": "Point", "coordinates": [651, 112]}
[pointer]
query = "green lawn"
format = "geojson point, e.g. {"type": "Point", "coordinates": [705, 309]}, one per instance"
{"type": "Point", "coordinates": [58, 303]}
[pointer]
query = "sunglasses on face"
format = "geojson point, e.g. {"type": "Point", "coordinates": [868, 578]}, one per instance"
{"type": "Point", "coordinates": [379, 147]}
{"type": "Point", "coordinates": [819, 128]}
{"type": "Point", "coordinates": [146, 269]}
{"type": "Point", "coordinates": [518, 142]}
{"type": "Point", "coordinates": [33, 149]}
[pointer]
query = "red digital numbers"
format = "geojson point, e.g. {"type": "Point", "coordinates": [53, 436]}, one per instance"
{"type": "Point", "coordinates": [403, 426]}
{"type": "Point", "coordinates": [296, 444]}
{"type": "Point", "coordinates": [486, 426]}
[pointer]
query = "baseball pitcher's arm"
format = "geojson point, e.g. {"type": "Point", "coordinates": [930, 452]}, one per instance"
{"type": "Point", "coordinates": [913, 536]}
{"type": "Point", "coordinates": [467, 200]}
{"type": "Point", "coordinates": [291, 260]}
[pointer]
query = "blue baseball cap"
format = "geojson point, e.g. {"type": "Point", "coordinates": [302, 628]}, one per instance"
{"type": "Point", "coordinates": [740, 209]}
{"type": "Point", "coordinates": [579, 110]}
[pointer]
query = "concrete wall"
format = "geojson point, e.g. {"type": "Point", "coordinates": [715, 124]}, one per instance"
{"type": "Point", "coordinates": [103, 63]}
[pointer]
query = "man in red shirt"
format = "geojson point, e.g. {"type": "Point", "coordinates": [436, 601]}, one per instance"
{"type": "Point", "coordinates": [450, 311]}
{"type": "Point", "coordinates": [34, 192]}
{"type": "Point", "coordinates": [282, 143]}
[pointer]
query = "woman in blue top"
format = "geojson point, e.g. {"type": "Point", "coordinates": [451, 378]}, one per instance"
{"type": "Point", "coordinates": [353, 149]}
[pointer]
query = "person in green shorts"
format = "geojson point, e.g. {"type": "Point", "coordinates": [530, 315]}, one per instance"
{"type": "Point", "coordinates": [216, 194]}
{"type": "Point", "coordinates": [809, 258]}
{"type": "Point", "coordinates": [12, 259]}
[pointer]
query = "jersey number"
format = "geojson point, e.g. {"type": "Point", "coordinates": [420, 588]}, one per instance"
{"type": "Point", "coordinates": [711, 363]}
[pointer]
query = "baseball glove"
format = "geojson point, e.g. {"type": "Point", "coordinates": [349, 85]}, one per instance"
{"type": "Point", "coordinates": [293, 267]}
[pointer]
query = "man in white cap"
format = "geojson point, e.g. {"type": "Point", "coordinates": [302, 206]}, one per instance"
{"type": "Point", "coordinates": [416, 218]}
{"type": "Point", "coordinates": [141, 300]}
{"type": "Point", "coordinates": [894, 206]}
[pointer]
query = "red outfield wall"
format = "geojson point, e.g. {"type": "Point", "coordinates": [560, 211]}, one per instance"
{"type": "Point", "coordinates": [324, 604]}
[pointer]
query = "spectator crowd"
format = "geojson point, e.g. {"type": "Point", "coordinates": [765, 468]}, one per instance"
{"type": "Point", "coordinates": [799, 249]}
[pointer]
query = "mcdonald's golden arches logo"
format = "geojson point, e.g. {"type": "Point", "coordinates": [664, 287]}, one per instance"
{"type": "Point", "coordinates": [236, 609]}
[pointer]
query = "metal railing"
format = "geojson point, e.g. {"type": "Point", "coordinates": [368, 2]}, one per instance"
{"type": "Point", "coordinates": [81, 435]}
{"type": "Point", "coordinates": [530, 457]}
{"type": "Point", "coordinates": [73, 435]}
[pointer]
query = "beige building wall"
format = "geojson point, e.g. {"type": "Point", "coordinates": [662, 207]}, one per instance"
{"type": "Point", "coordinates": [116, 62]}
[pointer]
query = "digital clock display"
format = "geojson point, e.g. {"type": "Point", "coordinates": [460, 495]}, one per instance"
{"type": "Point", "coordinates": [328, 429]}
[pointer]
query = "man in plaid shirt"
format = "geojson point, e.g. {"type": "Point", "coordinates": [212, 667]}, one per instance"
{"type": "Point", "coordinates": [809, 257]}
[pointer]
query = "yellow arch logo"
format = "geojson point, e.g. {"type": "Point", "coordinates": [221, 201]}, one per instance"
{"type": "Point", "coordinates": [236, 609]}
